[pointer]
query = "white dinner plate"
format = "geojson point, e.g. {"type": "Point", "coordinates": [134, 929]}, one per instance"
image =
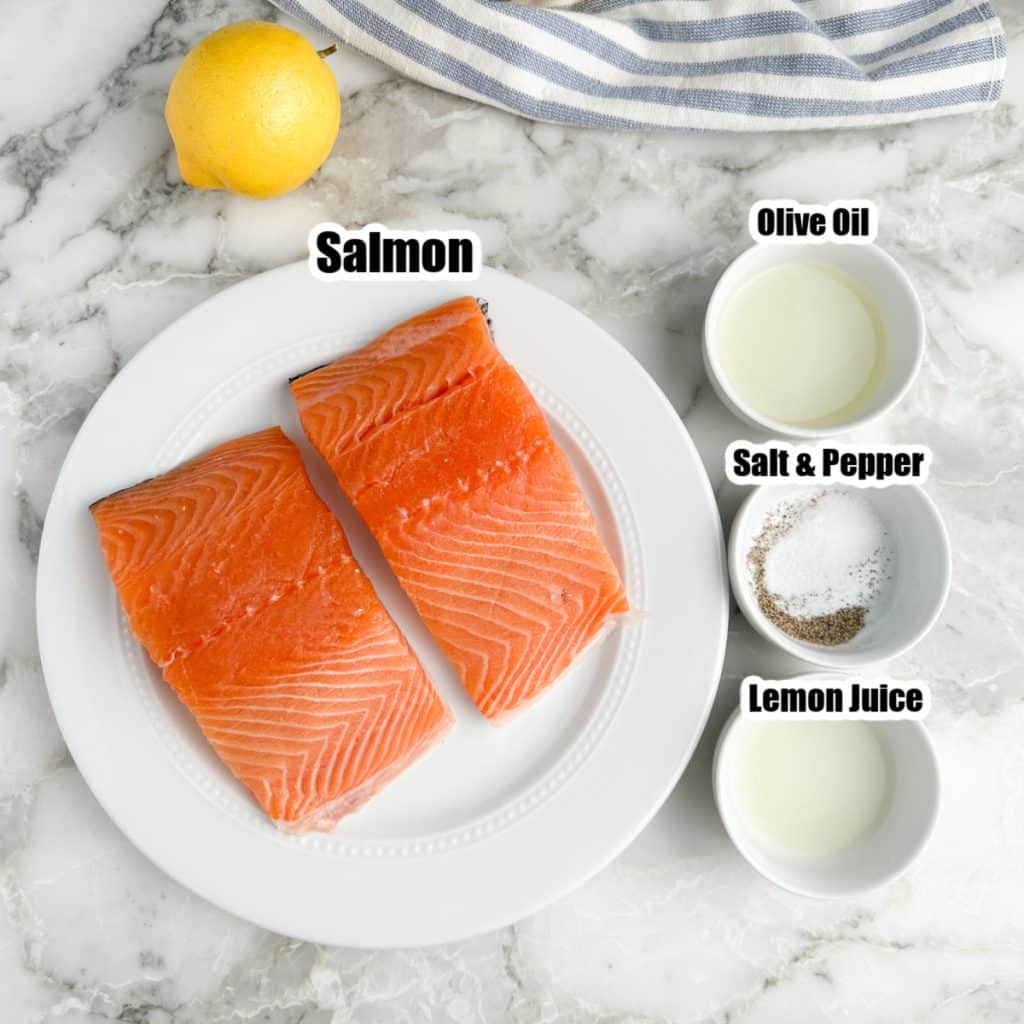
{"type": "Point", "coordinates": [496, 821]}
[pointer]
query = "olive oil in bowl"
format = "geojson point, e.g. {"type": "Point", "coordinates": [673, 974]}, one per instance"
{"type": "Point", "coordinates": [802, 343]}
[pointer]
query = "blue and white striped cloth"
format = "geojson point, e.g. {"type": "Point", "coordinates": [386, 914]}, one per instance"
{"type": "Point", "coordinates": [738, 65]}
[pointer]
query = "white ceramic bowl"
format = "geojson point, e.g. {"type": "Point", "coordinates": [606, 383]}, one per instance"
{"type": "Point", "coordinates": [921, 572]}
{"type": "Point", "coordinates": [880, 276]}
{"type": "Point", "coordinates": [879, 857]}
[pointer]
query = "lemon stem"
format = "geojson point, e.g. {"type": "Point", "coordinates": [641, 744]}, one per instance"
{"type": "Point", "coordinates": [327, 51]}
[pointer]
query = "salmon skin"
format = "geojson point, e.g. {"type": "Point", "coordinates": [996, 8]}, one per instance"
{"type": "Point", "coordinates": [241, 585]}
{"type": "Point", "coordinates": [446, 455]}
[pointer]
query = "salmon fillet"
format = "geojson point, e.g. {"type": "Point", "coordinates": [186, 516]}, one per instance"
{"type": "Point", "coordinates": [241, 585]}
{"type": "Point", "coordinates": [446, 455]}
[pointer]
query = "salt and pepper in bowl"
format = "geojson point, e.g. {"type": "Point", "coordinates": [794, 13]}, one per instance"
{"type": "Point", "coordinates": [839, 576]}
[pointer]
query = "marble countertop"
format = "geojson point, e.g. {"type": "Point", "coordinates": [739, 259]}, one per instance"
{"type": "Point", "coordinates": [101, 246]}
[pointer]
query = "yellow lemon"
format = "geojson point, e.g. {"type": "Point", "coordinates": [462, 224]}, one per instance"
{"type": "Point", "coordinates": [253, 109]}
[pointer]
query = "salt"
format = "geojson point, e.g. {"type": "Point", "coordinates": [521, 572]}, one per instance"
{"type": "Point", "coordinates": [836, 554]}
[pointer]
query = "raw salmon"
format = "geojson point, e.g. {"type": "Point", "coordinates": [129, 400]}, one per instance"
{"type": "Point", "coordinates": [241, 585]}
{"type": "Point", "coordinates": [446, 455]}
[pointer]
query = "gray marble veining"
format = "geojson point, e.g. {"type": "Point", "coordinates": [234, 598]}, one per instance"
{"type": "Point", "coordinates": [101, 245]}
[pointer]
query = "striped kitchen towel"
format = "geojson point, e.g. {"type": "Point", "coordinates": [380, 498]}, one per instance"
{"type": "Point", "coordinates": [741, 65]}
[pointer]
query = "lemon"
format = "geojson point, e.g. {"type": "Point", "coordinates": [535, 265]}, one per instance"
{"type": "Point", "coordinates": [252, 109]}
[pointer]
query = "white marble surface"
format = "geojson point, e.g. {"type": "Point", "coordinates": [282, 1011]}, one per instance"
{"type": "Point", "coordinates": [101, 245]}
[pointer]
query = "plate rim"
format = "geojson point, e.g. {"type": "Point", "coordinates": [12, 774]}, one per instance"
{"type": "Point", "coordinates": [588, 865]}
